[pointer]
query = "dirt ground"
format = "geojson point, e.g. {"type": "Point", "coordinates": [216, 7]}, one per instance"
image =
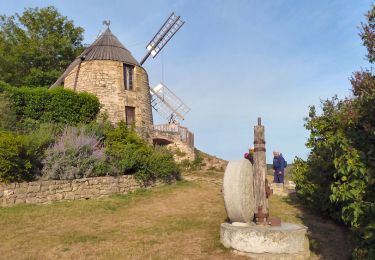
{"type": "Point", "coordinates": [180, 221]}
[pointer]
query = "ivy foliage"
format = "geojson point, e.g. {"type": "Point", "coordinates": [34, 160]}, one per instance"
{"type": "Point", "coordinates": [338, 177]}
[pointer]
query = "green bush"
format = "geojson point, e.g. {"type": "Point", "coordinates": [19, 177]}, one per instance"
{"type": "Point", "coordinates": [15, 162]}
{"type": "Point", "coordinates": [338, 177]}
{"type": "Point", "coordinates": [162, 165]}
{"type": "Point", "coordinates": [129, 154]}
{"type": "Point", "coordinates": [54, 106]}
{"type": "Point", "coordinates": [188, 166]}
{"type": "Point", "coordinates": [21, 155]}
{"type": "Point", "coordinates": [37, 141]}
{"type": "Point", "coordinates": [8, 118]}
{"type": "Point", "coordinates": [126, 150]}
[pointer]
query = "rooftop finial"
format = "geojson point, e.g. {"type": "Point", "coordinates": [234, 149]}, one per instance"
{"type": "Point", "coordinates": [107, 22]}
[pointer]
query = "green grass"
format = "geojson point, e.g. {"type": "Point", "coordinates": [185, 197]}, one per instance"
{"type": "Point", "coordinates": [162, 222]}
{"type": "Point", "coordinates": [327, 239]}
{"type": "Point", "coordinates": [169, 222]}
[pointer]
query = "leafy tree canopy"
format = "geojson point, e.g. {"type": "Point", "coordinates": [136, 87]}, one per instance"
{"type": "Point", "coordinates": [36, 46]}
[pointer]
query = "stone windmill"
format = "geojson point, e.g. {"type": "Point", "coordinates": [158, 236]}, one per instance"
{"type": "Point", "coordinates": [108, 70]}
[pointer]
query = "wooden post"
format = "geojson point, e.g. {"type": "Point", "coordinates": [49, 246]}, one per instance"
{"type": "Point", "coordinates": [260, 170]}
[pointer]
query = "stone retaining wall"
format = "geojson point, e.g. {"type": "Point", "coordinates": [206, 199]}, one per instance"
{"type": "Point", "coordinates": [55, 190]}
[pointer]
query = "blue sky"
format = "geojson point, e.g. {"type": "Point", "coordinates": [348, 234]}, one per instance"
{"type": "Point", "coordinates": [236, 60]}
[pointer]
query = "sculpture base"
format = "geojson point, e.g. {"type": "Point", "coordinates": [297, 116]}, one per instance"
{"type": "Point", "coordinates": [288, 241]}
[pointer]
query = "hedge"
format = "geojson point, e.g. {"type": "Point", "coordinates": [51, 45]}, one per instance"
{"type": "Point", "coordinates": [15, 162]}
{"type": "Point", "coordinates": [57, 106]}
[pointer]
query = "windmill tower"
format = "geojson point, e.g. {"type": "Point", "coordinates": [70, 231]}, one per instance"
{"type": "Point", "coordinates": [108, 70]}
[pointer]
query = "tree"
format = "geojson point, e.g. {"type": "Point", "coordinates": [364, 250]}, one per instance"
{"type": "Point", "coordinates": [37, 46]}
{"type": "Point", "coordinates": [338, 177]}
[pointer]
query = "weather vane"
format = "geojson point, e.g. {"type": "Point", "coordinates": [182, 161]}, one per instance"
{"type": "Point", "coordinates": [107, 22]}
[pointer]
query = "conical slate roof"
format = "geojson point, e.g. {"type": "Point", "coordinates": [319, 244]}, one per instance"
{"type": "Point", "coordinates": [106, 47]}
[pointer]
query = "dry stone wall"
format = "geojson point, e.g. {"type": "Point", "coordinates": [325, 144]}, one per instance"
{"type": "Point", "coordinates": [182, 151]}
{"type": "Point", "coordinates": [56, 190]}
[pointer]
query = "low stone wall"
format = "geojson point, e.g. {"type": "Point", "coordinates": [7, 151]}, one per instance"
{"type": "Point", "coordinates": [56, 190]}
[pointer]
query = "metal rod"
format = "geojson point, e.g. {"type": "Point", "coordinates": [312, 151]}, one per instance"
{"type": "Point", "coordinates": [145, 58]}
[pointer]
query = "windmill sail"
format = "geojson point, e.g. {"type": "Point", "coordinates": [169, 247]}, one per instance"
{"type": "Point", "coordinates": [168, 104]}
{"type": "Point", "coordinates": [162, 37]}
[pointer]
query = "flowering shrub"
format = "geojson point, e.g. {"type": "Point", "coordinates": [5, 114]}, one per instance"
{"type": "Point", "coordinates": [74, 155]}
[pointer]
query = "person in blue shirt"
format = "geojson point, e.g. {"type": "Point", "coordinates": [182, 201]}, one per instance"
{"type": "Point", "coordinates": [279, 165]}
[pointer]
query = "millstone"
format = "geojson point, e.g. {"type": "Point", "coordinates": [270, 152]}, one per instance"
{"type": "Point", "coordinates": [288, 241]}
{"type": "Point", "coordinates": [238, 191]}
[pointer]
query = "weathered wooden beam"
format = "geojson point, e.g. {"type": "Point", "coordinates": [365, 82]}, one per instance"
{"type": "Point", "coordinates": [260, 170]}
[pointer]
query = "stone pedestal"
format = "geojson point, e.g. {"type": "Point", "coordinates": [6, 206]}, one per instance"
{"type": "Point", "coordinates": [288, 241]}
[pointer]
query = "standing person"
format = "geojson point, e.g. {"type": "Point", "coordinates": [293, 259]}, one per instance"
{"type": "Point", "coordinates": [283, 164]}
{"type": "Point", "coordinates": [279, 165]}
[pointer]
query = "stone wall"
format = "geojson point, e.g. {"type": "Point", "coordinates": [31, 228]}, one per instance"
{"type": "Point", "coordinates": [56, 190]}
{"type": "Point", "coordinates": [105, 79]}
{"type": "Point", "coordinates": [213, 163]}
{"type": "Point", "coordinates": [183, 151]}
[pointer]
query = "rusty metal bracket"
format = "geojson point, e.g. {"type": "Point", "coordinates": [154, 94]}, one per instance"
{"type": "Point", "coordinates": [268, 189]}
{"type": "Point", "coordinates": [261, 141]}
{"type": "Point", "coordinates": [259, 149]}
{"type": "Point", "coordinates": [260, 217]}
{"type": "Point", "coordinates": [274, 222]}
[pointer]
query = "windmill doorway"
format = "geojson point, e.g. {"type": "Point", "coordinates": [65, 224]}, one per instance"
{"type": "Point", "coordinates": [130, 115]}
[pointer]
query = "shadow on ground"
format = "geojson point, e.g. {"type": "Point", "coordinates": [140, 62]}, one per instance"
{"type": "Point", "coordinates": [328, 240]}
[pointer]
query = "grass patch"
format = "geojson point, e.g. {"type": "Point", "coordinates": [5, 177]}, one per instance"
{"type": "Point", "coordinates": [173, 225]}
{"type": "Point", "coordinates": [325, 236]}
{"type": "Point", "coordinates": [71, 238]}
{"type": "Point", "coordinates": [179, 221]}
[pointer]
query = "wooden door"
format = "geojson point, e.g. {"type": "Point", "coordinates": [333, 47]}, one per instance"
{"type": "Point", "coordinates": [130, 115]}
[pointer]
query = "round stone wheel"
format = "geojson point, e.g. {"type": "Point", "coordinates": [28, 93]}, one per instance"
{"type": "Point", "coordinates": [238, 191]}
{"type": "Point", "coordinates": [288, 241]}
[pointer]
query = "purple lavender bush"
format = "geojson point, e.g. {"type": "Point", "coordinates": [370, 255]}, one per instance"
{"type": "Point", "coordinates": [74, 155]}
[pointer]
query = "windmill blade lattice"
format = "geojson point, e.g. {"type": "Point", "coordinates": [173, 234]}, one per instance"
{"type": "Point", "coordinates": [167, 104]}
{"type": "Point", "coordinates": [162, 37]}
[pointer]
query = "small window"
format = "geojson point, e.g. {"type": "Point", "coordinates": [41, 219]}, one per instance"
{"type": "Point", "coordinates": [130, 115]}
{"type": "Point", "coordinates": [128, 76]}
